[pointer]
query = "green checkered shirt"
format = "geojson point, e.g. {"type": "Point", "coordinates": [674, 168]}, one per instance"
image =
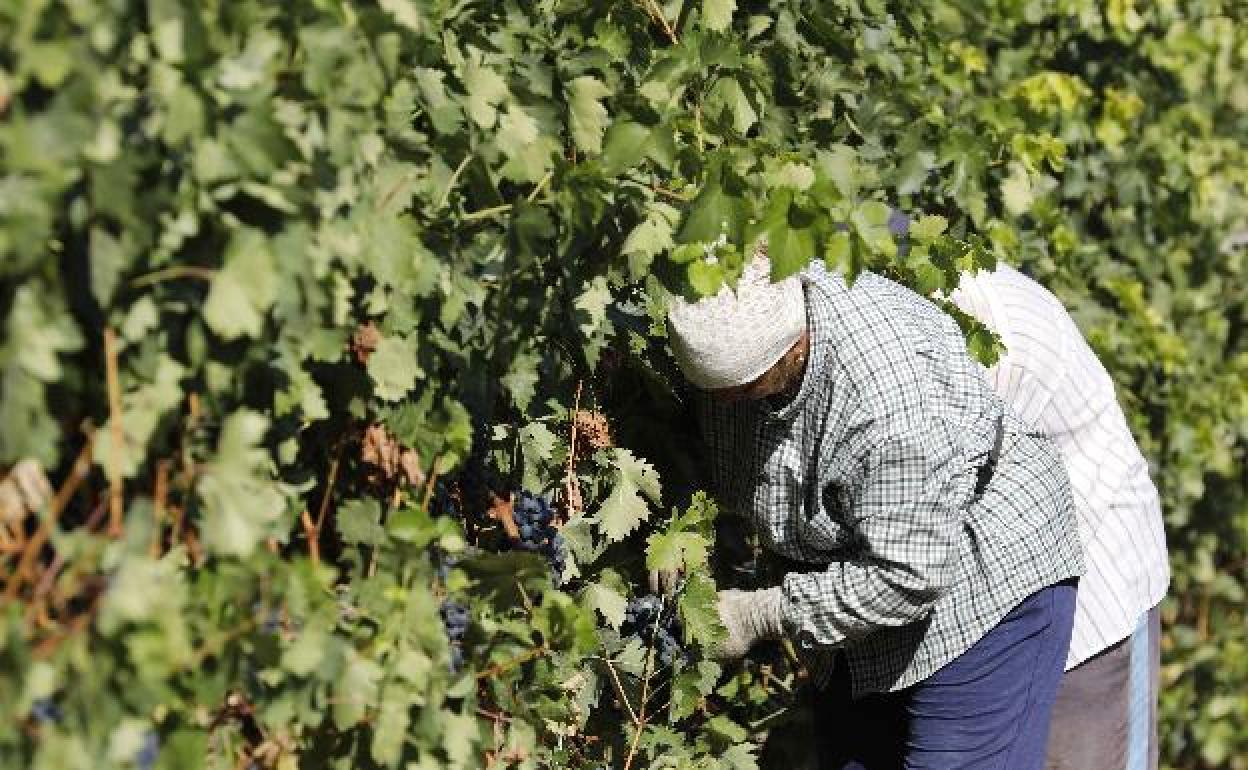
{"type": "Point", "coordinates": [867, 476]}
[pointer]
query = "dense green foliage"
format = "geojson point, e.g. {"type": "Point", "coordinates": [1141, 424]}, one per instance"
{"type": "Point", "coordinates": [300, 299]}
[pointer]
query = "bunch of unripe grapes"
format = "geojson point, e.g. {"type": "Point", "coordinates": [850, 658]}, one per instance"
{"type": "Point", "coordinates": [645, 617]}
{"type": "Point", "coordinates": [536, 523]}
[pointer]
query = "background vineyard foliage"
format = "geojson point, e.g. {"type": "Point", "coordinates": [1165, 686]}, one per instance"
{"type": "Point", "coordinates": [359, 264]}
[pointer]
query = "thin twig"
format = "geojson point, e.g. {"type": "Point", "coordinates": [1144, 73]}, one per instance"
{"type": "Point", "coordinates": [116, 434]}
{"type": "Point", "coordinates": [646, 673]}
{"type": "Point", "coordinates": [48, 579]}
{"type": "Point", "coordinates": [540, 186]}
{"type": "Point", "coordinates": [486, 213]}
{"type": "Point", "coordinates": [329, 489]}
{"type": "Point", "coordinates": [170, 273]}
{"type": "Point", "coordinates": [160, 499]}
{"type": "Point", "coordinates": [77, 474]}
{"type": "Point", "coordinates": [572, 485]}
{"type": "Point", "coordinates": [656, 13]}
{"type": "Point", "coordinates": [619, 690]}
{"type": "Point", "coordinates": [431, 482]}
{"type": "Point", "coordinates": [313, 536]}
{"type": "Point", "coordinates": [450, 184]}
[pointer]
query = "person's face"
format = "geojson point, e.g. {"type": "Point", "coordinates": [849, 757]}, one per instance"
{"type": "Point", "coordinates": [784, 374]}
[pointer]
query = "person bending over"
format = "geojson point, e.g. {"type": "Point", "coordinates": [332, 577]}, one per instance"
{"type": "Point", "coordinates": [935, 532]}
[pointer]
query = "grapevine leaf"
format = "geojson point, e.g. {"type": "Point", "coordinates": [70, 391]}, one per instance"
{"type": "Point", "coordinates": [739, 756]}
{"type": "Point", "coordinates": [241, 502]}
{"type": "Point", "coordinates": [359, 523]}
{"type": "Point", "coordinates": [651, 237]}
{"type": "Point", "coordinates": [587, 118]}
{"type": "Point", "coordinates": [355, 690]}
{"type": "Point", "coordinates": [1016, 190]}
{"type": "Point", "coordinates": [244, 289]}
{"type": "Point", "coordinates": [625, 508]}
{"type": "Point", "coordinates": [521, 379]}
{"type": "Point", "coordinates": [142, 411]}
{"type": "Point", "coordinates": [37, 336]}
{"type": "Point", "coordinates": [714, 212]}
{"type": "Point", "coordinates": [676, 550]}
{"type": "Point", "coordinates": [691, 686]}
{"type": "Point", "coordinates": [625, 146]}
{"type": "Point", "coordinates": [929, 227]}
{"type": "Point", "coordinates": [486, 89]}
{"type": "Point", "coordinates": [717, 14]}
{"type": "Point", "coordinates": [698, 609]}
{"type": "Point", "coordinates": [607, 601]}
{"type": "Point", "coordinates": [393, 367]}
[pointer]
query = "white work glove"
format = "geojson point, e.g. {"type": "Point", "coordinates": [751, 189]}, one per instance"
{"type": "Point", "coordinates": [749, 616]}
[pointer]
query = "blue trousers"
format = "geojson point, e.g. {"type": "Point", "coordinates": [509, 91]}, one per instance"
{"type": "Point", "coordinates": [988, 709]}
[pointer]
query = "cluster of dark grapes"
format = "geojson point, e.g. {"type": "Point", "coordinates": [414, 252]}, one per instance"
{"type": "Point", "coordinates": [455, 619]}
{"type": "Point", "coordinates": [645, 618]}
{"type": "Point", "coordinates": [536, 522]}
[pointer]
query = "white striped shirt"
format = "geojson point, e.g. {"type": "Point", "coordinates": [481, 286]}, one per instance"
{"type": "Point", "coordinates": [1051, 379]}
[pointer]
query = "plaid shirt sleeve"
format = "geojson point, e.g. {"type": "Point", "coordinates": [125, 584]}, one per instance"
{"type": "Point", "coordinates": [904, 509]}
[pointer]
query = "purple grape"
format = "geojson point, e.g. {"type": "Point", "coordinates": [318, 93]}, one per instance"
{"type": "Point", "coordinates": [898, 222]}
{"type": "Point", "coordinates": [45, 710]}
{"type": "Point", "coordinates": [455, 621]}
{"type": "Point", "coordinates": [535, 521]}
{"type": "Point", "coordinates": [145, 759]}
{"type": "Point", "coordinates": [644, 618]}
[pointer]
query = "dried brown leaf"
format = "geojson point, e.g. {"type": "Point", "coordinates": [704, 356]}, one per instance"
{"type": "Point", "coordinates": [502, 510]}
{"type": "Point", "coordinates": [364, 341]}
{"type": "Point", "coordinates": [593, 428]}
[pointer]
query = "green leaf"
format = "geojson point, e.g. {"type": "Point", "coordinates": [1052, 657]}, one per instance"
{"type": "Point", "coordinates": [143, 409]}
{"type": "Point", "coordinates": [37, 336]}
{"type": "Point", "coordinates": [650, 238]}
{"type": "Point", "coordinates": [625, 146]}
{"type": "Point", "coordinates": [521, 379]}
{"type": "Point", "coordinates": [676, 550]}
{"type": "Point", "coordinates": [705, 277]}
{"type": "Point", "coordinates": [790, 236]}
{"type": "Point", "coordinates": [241, 501]}
{"type": "Point", "coordinates": [691, 687]}
{"type": "Point", "coordinates": [244, 289]}
{"type": "Point", "coordinates": [459, 735]}
{"type": "Point", "coordinates": [587, 118]}
{"type": "Point", "coordinates": [486, 89]}
{"type": "Point", "coordinates": [717, 14]}
{"type": "Point", "coordinates": [698, 609]}
{"type": "Point", "coordinates": [626, 507]}
{"type": "Point", "coordinates": [609, 602]}
{"type": "Point", "coordinates": [393, 367]}
{"type": "Point", "coordinates": [928, 227]}
{"type": "Point", "coordinates": [838, 252]}
{"type": "Point", "coordinates": [359, 523]}
{"type": "Point", "coordinates": [1016, 191]}
{"type": "Point", "coordinates": [714, 212]}
{"type": "Point", "coordinates": [739, 756]}
{"type": "Point", "coordinates": [355, 690]}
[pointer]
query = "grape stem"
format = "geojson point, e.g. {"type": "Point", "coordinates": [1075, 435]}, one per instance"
{"type": "Point", "coordinates": [646, 675]}
{"type": "Point", "coordinates": [571, 483]}
{"type": "Point", "coordinates": [619, 690]}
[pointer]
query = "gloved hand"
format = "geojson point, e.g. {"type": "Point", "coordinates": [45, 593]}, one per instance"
{"type": "Point", "coordinates": [664, 582]}
{"type": "Point", "coordinates": [749, 616]}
